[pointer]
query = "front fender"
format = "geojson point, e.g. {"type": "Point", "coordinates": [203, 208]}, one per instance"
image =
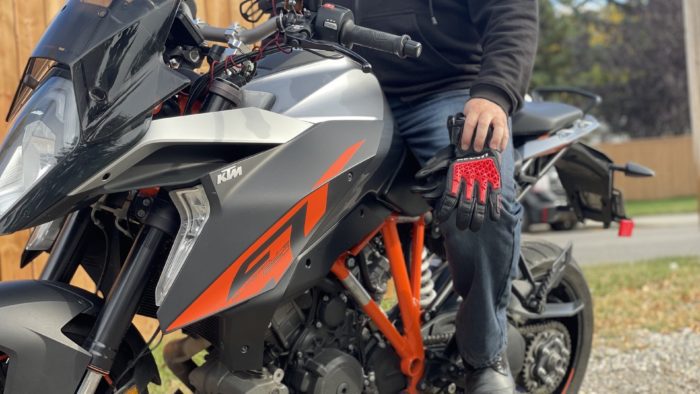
{"type": "Point", "coordinates": [33, 318]}
{"type": "Point", "coordinates": [32, 314]}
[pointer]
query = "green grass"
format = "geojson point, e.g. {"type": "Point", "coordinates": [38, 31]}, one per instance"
{"type": "Point", "coordinates": [170, 383]}
{"type": "Point", "coordinates": [658, 295]}
{"type": "Point", "coordinates": [664, 206]}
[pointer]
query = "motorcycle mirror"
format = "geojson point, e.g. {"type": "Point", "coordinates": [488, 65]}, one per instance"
{"type": "Point", "coordinates": [634, 170]}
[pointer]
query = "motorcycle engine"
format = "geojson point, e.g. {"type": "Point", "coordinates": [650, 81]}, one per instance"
{"type": "Point", "coordinates": [317, 340]}
{"type": "Point", "coordinates": [321, 342]}
{"type": "Point", "coordinates": [325, 344]}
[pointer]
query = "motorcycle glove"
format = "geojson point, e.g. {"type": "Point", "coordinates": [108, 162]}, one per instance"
{"type": "Point", "coordinates": [465, 182]}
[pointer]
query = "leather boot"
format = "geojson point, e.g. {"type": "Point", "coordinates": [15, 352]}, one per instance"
{"type": "Point", "coordinates": [491, 379]}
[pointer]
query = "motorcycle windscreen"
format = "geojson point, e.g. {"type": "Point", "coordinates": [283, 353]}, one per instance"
{"type": "Point", "coordinates": [114, 51]}
{"type": "Point", "coordinates": [587, 178]}
{"type": "Point", "coordinates": [112, 54]}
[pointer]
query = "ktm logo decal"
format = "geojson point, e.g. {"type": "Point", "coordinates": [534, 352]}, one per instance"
{"type": "Point", "coordinates": [261, 267]}
{"type": "Point", "coordinates": [229, 173]}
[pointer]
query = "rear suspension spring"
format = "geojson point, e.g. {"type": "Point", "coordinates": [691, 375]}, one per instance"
{"type": "Point", "coordinates": [427, 285]}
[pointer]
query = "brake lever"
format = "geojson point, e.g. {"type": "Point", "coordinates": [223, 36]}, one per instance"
{"type": "Point", "coordinates": [305, 43]}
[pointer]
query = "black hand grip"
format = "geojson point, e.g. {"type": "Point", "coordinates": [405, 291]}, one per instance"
{"type": "Point", "coordinates": [401, 46]}
{"type": "Point", "coordinates": [412, 48]}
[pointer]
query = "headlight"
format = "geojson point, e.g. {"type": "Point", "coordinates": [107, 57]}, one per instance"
{"type": "Point", "coordinates": [45, 130]}
{"type": "Point", "coordinates": [193, 206]}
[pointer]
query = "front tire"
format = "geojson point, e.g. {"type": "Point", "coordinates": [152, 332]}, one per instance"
{"type": "Point", "coordinates": [539, 257]}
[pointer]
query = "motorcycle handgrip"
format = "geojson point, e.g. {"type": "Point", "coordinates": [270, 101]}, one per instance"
{"type": "Point", "coordinates": [249, 36]}
{"type": "Point", "coordinates": [401, 46]}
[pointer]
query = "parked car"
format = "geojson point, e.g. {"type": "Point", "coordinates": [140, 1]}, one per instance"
{"type": "Point", "coordinates": [547, 203]}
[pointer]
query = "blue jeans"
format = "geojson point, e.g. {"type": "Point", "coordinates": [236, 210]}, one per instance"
{"type": "Point", "coordinates": [482, 263]}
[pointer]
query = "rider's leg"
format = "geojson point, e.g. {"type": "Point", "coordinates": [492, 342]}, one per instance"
{"type": "Point", "coordinates": [482, 263]}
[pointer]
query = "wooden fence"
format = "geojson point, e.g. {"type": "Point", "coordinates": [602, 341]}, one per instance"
{"type": "Point", "coordinates": [670, 157]}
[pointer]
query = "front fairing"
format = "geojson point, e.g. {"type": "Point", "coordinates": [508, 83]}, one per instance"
{"type": "Point", "coordinates": [112, 52]}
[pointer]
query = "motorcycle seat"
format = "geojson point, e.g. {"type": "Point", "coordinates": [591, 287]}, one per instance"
{"type": "Point", "coordinates": [539, 117]}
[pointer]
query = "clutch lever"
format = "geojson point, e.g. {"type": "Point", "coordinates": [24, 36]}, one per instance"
{"type": "Point", "coordinates": [305, 43]}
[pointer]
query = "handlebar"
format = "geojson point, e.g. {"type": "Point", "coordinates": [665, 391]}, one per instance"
{"type": "Point", "coordinates": [248, 36]}
{"type": "Point", "coordinates": [211, 33]}
{"type": "Point", "coordinates": [332, 23]}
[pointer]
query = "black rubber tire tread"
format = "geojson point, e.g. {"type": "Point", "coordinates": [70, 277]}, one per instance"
{"type": "Point", "coordinates": [539, 256]}
{"type": "Point", "coordinates": [565, 225]}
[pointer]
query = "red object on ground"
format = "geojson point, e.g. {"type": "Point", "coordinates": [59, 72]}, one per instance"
{"type": "Point", "coordinates": [626, 228]}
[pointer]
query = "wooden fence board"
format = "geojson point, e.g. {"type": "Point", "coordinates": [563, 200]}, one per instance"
{"type": "Point", "coordinates": [670, 157]}
{"type": "Point", "coordinates": [51, 8]}
{"type": "Point", "coordinates": [30, 22]}
{"type": "Point", "coordinates": [9, 53]}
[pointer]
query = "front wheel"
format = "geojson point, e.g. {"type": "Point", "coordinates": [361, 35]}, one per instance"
{"type": "Point", "coordinates": [557, 351]}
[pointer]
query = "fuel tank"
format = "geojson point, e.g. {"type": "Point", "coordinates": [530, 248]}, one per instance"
{"type": "Point", "coordinates": [317, 89]}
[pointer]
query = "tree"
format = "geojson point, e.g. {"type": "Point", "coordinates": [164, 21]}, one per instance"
{"type": "Point", "coordinates": [630, 52]}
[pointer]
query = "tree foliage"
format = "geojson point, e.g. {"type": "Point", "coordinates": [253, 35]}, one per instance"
{"type": "Point", "coordinates": [630, 52]}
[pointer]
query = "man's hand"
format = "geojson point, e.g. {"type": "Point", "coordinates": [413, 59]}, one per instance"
{"type": "Point", "coordinates": [482, 114]}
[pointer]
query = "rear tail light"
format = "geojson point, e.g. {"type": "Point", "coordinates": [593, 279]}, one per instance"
{"type": "Point", "coordinates": [626, 228]}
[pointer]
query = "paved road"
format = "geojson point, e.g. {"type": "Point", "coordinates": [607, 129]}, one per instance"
{"type": "Point", "coordinates": [654, 236]}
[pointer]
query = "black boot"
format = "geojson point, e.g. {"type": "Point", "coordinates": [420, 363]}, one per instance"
{"type": "Point", "coordinates": [492, 379]}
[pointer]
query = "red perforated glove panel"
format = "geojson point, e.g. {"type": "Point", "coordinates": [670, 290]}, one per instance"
{"type": "Point", "coordinates": [473, 186]}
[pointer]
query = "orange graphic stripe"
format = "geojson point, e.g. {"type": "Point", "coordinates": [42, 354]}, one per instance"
{"type": "Point", "coordinates": [216, 297]}
{"type": "Point", "coordinates": [279, 258]}
{"type": "Point", "coordinates": [339, 164]}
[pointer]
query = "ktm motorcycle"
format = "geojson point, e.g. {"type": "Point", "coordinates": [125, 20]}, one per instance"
{"type": "Point", "coordinates": [263, 207]}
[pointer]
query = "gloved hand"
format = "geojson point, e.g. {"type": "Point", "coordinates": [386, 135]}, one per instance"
{"type": "Point", "coordinates": [466, 181]}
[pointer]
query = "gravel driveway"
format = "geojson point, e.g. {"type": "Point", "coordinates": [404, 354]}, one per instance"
{"type": "Point", "coordinates": [659, 363]}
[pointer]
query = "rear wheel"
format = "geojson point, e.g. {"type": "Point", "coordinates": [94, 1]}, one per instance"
{"type": "Point", "coordinates": [557, 350]}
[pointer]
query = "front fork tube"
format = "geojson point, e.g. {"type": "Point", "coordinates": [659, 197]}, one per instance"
{"type": "Point", "coordinates": [124, 297]}
{"type": "Point", "coordinates": [63, 260]}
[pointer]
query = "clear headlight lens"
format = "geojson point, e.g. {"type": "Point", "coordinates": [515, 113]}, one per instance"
{"type": "Point", "coordinates": [45, 130]}
{"type": "Point", "coordinates": [193, 206]}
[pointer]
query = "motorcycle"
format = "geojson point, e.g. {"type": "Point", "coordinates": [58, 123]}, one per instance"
{"type": "Point", "coordinates": [263, 208]}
